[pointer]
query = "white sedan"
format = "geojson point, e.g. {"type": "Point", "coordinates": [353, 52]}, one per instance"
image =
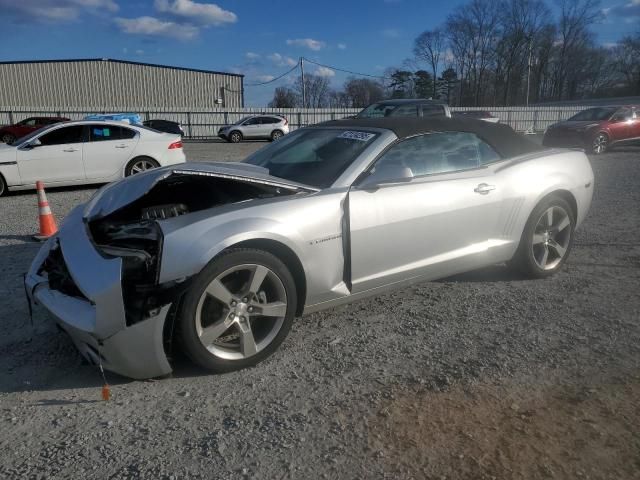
{"type": "Point", "coordinates": [76, 153]}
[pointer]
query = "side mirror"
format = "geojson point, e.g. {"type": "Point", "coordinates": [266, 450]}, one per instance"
{"type": "Point", "coordinates": [386, 174]}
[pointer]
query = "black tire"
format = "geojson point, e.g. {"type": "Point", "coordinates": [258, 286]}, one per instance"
{"type": "Point", "coordinates": [526, 259]}
{"type": "Point", "coordinates": [3, 186]}
{"type": "Point", "coordinates": [600, 144]}
{"type": "Point", "coordinates": [235, 136]}
{"type": "Point", "coordinates": [188, 319]}
{"type": "Point", "coordinates": [131, 167]}
{"type": "Point", "coordinates": [8, 138]}
{"type": "Point", "coordinates": [276, 135]}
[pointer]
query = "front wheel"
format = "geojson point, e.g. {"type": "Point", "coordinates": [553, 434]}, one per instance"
{"type": "Point", "coordinates": [8, 138]}
{"type": "Point", "coordinates": [235, 137]}
{"type": "Point", "coordinates": [3, 186]}
{"type": "Point", "coordinates": [600, 143]}
{"type": "Point", "coordinates": [547, 239]}
{"type": "Point", "coordinates": [140, 164]}
{"type": "Point", "coordinates": [238, 311]}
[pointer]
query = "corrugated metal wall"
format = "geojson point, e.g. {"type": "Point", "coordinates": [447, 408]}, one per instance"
{"type": "Point", "coordinates": [106, 85]}
{"type": "Point", "coordinates": [199, 123]}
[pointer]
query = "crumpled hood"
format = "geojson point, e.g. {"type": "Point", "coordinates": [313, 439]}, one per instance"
{"type": "Point", "coordinates": [123, 192]}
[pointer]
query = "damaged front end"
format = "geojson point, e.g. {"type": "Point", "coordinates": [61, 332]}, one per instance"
{"type": "Point", "coordinates": [100, 275]}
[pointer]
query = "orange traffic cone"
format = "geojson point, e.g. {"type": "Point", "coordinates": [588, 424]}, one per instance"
{"type": "Point", "coordinates": [48, 225]}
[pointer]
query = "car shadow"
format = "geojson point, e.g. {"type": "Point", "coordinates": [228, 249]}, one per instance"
{"type": "Point", "coordinates": [492, 274]}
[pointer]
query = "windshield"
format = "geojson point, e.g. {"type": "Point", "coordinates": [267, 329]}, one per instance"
{"type": "Point", "coordinates": [313, 156]}
{"type": "Point", "coordinates": [377, 110]}
{"type": "Point", "coordinates": [591, 114]}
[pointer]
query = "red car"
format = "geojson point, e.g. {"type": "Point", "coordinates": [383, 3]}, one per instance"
{"type": "Point", "coordinates": [10, 133]}
{"type": "Point", "coordinates": [596, 129]}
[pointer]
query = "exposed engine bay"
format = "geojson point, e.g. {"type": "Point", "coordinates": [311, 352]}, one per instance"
{"type": "Point", "coordinates": [133, 234]}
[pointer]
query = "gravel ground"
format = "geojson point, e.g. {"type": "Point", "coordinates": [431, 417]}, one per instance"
{"type": "Point", "coordinates": [484, 375]}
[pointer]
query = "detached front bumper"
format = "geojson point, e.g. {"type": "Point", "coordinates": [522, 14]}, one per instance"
{"type": "Point", "coordinates": [89, 304]}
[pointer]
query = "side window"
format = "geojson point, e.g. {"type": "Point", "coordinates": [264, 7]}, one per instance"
{"type": "Point", "coordinates": [432, 110]}
{"type": "Point", "coordinates": [101, 133]}
{"type": "Point", "coordinates": [405, 111]}
{"type": "Point", "coordinates": [434, 153]}
{"type": "Point", "coordinates": [252, 121]}
{"type": "Point", "coordinates": [62, 136]}
{"type": "Point", "coordinates": [126, 133]}
{"type": "Point", "coordinates": [28, 122]}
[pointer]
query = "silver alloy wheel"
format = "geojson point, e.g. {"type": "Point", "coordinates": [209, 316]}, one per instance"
{"type": "Point", "coordinates": [600, 143]}
{"type": "Point", "coordinates": [276, 135]}
{"type": "Point", "coordinates": [235, 137]}
{"type": "Point", "coordinates": [241, 311]}
{"type": "Point", "coordinates": [551, 237]}
{"type": "Point", "coordinates": [142, 165]}
{"type": "Point", "coordinates": [7, 138]}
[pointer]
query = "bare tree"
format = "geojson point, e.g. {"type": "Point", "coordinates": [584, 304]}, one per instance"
{"type": "Point", "coordinates": [316, 89]}
{"type": "Point", "coordinates": [429, 47]}
{"type": "Point", "coordinates": [363, 91]}
{"type": "Point", "coordinates": [284, 97]}
{"type": "Point", "coordinates": [627, 62]}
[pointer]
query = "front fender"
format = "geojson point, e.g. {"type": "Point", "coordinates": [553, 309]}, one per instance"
{"type": "Point", "coordinates": [186, 251]}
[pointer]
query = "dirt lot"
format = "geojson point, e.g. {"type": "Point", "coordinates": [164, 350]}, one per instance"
{"type": "Point", "coordinates": [481, 376]}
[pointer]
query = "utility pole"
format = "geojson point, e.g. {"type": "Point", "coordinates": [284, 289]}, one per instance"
{"type": "Point", "coordinates": [529, 70]}
{"type": "Point", "coordinates": [304, 87]}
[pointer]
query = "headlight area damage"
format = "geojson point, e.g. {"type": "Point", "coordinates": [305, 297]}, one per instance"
{"type": "Point", "coordinates": [100, 275]}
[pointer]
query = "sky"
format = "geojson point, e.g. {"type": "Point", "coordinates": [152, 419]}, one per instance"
{"type": "Point", "coordinates": [261, 39]}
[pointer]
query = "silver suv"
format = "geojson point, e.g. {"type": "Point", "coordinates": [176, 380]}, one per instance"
{"type": "Point", "coordinates": [406, 107]}
{"type": "Point", "coordinates": [270, 127]}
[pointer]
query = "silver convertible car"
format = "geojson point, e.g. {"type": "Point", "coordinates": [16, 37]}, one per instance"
{"type": "Point", "coordinates": [219, 258]}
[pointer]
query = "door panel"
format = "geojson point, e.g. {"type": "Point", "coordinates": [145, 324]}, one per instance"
{"type": "Point", "coordinates": [435, 227]}
{"type": "Point", "coordinates": [55, 163]}
{"type": "Point", "coordinates": [57, 159]}
{"type": "Point", "coordinates": [108, 150]}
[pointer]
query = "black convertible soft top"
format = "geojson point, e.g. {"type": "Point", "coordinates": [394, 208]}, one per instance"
{"type": "Point", "coordinates": [506, 141]}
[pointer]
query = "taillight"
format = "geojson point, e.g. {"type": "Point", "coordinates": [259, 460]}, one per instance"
{"type": "Point", "coordinates": [177, 144]}
{"type": "Point", "coordinates": [286, 122]}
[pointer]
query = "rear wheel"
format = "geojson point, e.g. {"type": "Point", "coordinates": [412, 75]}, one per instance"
{"type": "Point", "coordinates": [235, 137]}
{"type": "Point", "coordinates": [600, 143]}
{"type": "Point", "coordinates": [547, 239]}
{"type": "Point", "coordinates": [276, 135]}
{"type": "Point", "coordinates": [8, 138]}
{"type": "Point", "coordinates": [3, 186]}
{"type": "Point", "coordinates": [140, 164]}
{"type": "Point", "coordinates": [238, 311]}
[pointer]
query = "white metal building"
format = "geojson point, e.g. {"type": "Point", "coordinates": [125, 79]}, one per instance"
{"type": "Point", "coordinates": [112, 85]}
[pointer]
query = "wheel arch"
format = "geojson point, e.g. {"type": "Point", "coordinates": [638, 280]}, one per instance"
{"type": "Point", "coordinates": [568, 197]}
{"type": "Point", "coordinates": [288, 257]}
{"type": "Point", "coordinates": [133, 159]}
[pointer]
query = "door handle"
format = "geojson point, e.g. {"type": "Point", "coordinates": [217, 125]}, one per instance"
{"type": "Point", "coordinates": [484, 188]}
{"type": "Point", "coordinates": [122, 146]}
{"type": "Point", "coordinates": [70, 150]}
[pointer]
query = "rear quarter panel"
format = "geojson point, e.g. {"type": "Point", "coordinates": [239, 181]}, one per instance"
{"type": "Point", "coordinates": [526, 180]}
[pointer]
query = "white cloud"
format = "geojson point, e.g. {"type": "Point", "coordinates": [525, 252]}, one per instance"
{"type": "Point", "coordinates": [153, 27]}
{"type": "Point", "coordinates": [265, 78]}
{"type": "Point", "coordinates": [309, 43]}
{"type": "Point", "coordinates": [252, 56]}
{"type": "Point", "coordinates": [630, 11]}
{"type": "Point", "coordinates": [324, 72]}
{"type": "Point", "coordinates": [139, 52]}
{"type": "Point", "coordinates": [53, 11]}
{"type": "Point", "coordinates": [281, 60]}
{"type": "Point", "coordinates": [204, 13]}
{"type": "Point", "coordinates": [342, 46]}
{"type": "Point", "coordinates": [391, 32]}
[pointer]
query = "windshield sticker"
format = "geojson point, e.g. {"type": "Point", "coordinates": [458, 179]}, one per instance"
{"type": "Point", "coordinates": [361, 136]}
